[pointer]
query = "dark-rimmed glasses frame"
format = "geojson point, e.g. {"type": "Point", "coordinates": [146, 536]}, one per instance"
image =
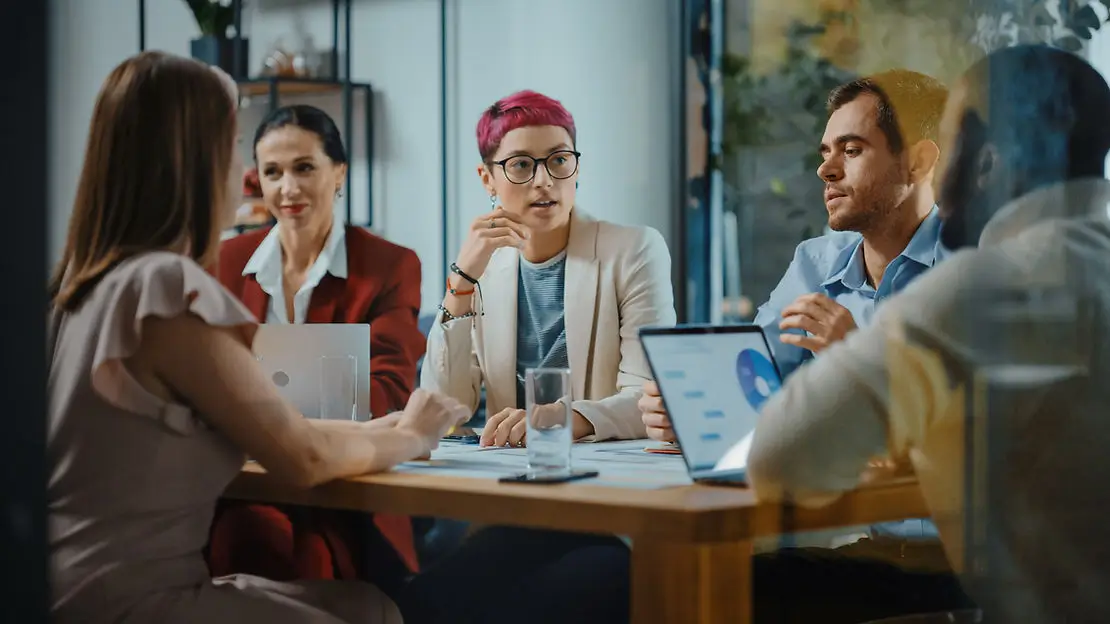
{"type": "Point", "coordinates": [536, 162]}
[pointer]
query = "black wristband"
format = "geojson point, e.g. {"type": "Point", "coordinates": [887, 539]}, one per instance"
{"type": "Point", "coordinates": [457, 271]}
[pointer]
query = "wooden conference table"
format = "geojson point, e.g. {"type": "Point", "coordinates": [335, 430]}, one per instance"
{"type": "Point", "coordinates": [692, 544]}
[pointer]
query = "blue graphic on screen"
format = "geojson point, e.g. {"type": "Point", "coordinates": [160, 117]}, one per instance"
{"type": "Point", "coordinates": [713, 385]}
{"type": "Point", "coordinates": [758, 377]}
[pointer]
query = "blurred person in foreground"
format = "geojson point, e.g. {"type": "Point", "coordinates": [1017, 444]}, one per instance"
{"type": "Point", "coordinates": [1015, 324]}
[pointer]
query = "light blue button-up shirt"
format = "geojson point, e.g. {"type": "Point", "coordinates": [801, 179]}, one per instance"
{"type": "Point", "coordinates": [833, 265]}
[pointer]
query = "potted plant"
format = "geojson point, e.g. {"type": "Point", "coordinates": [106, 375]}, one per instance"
{"type": "Point", "coordinates": [215, 17]}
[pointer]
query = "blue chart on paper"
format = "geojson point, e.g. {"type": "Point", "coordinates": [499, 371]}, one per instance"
{"type": "Point", "coordinates": [758, 377]}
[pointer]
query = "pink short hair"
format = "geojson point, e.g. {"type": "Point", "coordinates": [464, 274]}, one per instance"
{"type": "Point", "coordinates": [520, 110]}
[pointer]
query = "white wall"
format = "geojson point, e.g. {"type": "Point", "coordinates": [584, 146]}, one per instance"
{"type": "Point", "coordinates": [606, 60]}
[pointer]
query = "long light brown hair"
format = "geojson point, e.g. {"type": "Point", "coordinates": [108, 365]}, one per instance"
{"type": "Point", "coordinates": [156, 171]}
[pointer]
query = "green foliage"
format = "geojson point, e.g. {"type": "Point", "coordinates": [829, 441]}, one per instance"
{"type": "Point", "coordinates": [213, 17]}
{"type": "Point", "coordinates": [771, 116]}
{"type": "Point", "coordinates": [996, 24]}
{"type": "Point", "coordinates": [787, 105]}
{"type": "Point", "coordinates": [781, 107]}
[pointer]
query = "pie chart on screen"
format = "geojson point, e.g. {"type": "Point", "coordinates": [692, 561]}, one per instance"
{"type": "Point", "coordinates": [758, 377]}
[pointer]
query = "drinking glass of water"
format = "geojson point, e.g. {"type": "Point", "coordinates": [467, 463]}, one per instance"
{"type": "Point", "coordinates": [337, 387]}
{"type": "Point", "coordinates": [549, 419]}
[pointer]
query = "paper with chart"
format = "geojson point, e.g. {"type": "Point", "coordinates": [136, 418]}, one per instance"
{"type": "Point", "coordinates": [620, 464]}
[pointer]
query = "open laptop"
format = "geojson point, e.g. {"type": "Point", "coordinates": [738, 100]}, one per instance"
{"type": "Point", "coordinates": [294, 356]}
{"type": "Point", "coordinates": [714, 380]}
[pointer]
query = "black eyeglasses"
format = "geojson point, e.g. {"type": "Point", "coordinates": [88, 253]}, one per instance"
{"type": "Point", "coordinates": [521, 169]}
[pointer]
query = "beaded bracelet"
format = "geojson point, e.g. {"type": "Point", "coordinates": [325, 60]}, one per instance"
{"type": "Point", "coordinates": [447, 316]}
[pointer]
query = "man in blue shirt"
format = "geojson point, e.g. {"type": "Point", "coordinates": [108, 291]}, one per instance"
{"type": "Point", "coordinates": [879, 154]}
{"type": "Point", "coordinates": [879, 195]}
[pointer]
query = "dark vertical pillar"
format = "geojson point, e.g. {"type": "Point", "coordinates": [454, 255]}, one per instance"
{"type": "Point", "coordinates": [680, 46]}
{"type": "Point", "coordinates": [24, 594]}
{"type": "Point", "coordinates": [142, 25]}
{"type": "Point", "coordinates": [348, 105]}
{"type": "Point", "coordinates": [444, 217]}
{"type": "Point", "coordinates": [696, 207]}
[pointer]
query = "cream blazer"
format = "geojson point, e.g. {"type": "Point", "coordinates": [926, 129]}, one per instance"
{"type": "Point", "coordinates": [618, 279]}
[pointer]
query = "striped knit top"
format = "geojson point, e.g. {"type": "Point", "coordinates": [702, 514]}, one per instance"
{"type": "Point", "coordinates": [541, 333]}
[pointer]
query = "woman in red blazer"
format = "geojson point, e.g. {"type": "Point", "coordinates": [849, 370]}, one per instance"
{"type": "Point", "coordinates": [311, 269]}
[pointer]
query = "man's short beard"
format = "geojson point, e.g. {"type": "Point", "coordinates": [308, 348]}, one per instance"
{"type": "Point", "coordinates": [966, 208]}
{"type": "Point", "coordinates": [857, 222]}
{"type": "Point", "coordinates": [875, 215]}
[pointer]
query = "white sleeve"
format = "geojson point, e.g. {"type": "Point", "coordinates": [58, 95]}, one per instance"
{"type": "Point", "coordinates": [451, 364]}
{"type": "Point", "coordinates": [647, 299]}
{"type": "Point", "coordinates": [874, 394]}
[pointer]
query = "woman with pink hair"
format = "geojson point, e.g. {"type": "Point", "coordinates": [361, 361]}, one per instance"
{"type": "Point", "coordinates": [505, 309]}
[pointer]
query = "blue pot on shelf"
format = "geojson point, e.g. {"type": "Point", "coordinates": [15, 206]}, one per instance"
{"type": "Point", "coordinates": [220, 52]}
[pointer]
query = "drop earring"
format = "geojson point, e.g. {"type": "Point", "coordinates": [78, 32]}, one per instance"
{"type": "Point", "coordinates": [576, 185]}
{"type": "Point", "coordinates": [493, 202]}
{"type": "Point", "coordinates": [339, 192]}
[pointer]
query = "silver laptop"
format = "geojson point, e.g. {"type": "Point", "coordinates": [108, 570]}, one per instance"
{"type": "Point", "coordinates": [714, 380]}
{"type": "Point", "coordinates": [313, 363]}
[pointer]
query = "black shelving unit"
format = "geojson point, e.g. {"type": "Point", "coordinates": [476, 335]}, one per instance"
{"type": "Point", "coordinates": [276, 86]}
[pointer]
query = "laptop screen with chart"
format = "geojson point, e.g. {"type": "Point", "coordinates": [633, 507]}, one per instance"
{"type": "Point", "coordinates": [714, 382]}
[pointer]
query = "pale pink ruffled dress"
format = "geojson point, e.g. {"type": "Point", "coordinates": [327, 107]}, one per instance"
{"type": "Point", "coordinates": [134, 479]}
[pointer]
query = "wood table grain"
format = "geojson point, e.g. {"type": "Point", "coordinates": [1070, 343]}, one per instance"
{"type": "Point", "coordinates": [692, 544]}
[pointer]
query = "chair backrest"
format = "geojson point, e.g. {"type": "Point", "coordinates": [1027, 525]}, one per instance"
{"type": "Point", "coordinates": [424, 322]}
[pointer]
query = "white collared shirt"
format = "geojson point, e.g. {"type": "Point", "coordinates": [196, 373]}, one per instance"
{"type": "Point", "coordinates": [265, 265]}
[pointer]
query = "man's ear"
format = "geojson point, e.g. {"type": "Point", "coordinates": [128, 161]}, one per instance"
{"type": "Point", "coordinates": [924, 156]}
{"type": "Point", "coordinates": [986, 165]}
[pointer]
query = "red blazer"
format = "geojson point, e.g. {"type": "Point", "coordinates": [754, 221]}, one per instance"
{"type": "Point", "coordinates": [382, 288]}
